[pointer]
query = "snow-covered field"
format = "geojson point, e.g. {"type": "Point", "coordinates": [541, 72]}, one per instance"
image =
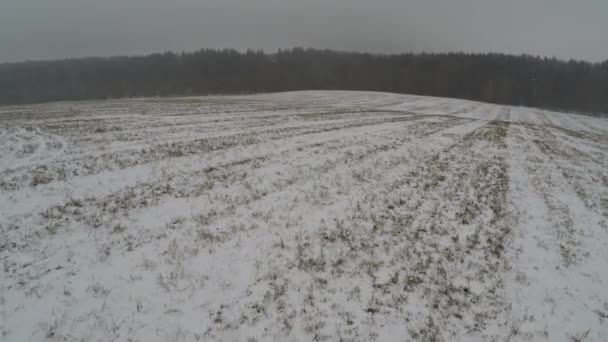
{"type": "Point", "coordinates": [302, 216]}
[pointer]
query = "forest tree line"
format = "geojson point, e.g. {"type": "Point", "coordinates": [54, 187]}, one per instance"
{"type": "Point", "coordinates": [496, 78]}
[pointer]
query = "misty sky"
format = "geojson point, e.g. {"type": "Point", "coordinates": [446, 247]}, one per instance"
{"type": "Point", "coordinates": [43, 29]}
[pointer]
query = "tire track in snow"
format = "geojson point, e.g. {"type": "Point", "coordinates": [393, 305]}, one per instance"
{"type": "Point", "coordinates": [408, 136]}
{"type": "Point", "coordinates": [311, 260]}
{"type": "Point", "coordinates": [554, 289]}
{"type": "Point", "coordinates": [569, 159]}
{"type": "Point", "coordinates": [187, 169]}
{"type": "Point", "coordinates": [107, 161]}
{"type": "Point", "coordinates": [115, 206]}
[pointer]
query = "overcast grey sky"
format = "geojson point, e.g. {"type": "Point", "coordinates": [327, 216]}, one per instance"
{"type": "Point", "coordinates": [43, 29]}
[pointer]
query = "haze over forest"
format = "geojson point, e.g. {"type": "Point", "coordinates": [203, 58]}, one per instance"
{"type": "Point", "coordinates": [34, 29]}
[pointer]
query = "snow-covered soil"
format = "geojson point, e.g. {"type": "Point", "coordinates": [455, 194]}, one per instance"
{"type": "Point", "coordinates": [302, 216]}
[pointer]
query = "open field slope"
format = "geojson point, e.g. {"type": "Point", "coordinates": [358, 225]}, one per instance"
{"type": "Point", "coordinates": [302, 216]}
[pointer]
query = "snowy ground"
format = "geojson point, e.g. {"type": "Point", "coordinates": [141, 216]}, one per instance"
{"type": "Point", "coordinates": [302, 216]}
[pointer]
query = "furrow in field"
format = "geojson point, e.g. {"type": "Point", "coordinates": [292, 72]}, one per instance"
{"type": "Point", "coordinates": [581, 169]}
{"type": "Point", "coordinates": [570, 209]}
{"type": "Point", "coordinates": [328, 152]}
{"type": "Point", "coordinates": [174, 133]}
{"type": "Point", "coordinates": [364, 235]}
{"type": "Point", "coordinates": [183, 184]}
{"type": "Point", "coordinates": [556, 284]}
{"type": "Point", "coordinates": [88, 164]}
{"type": "Point", "coordinates": [576, 140]}
{"type": "Point", "coordinates": [148, 173]}
{"type": "Point", "coordinates": [74, 236]}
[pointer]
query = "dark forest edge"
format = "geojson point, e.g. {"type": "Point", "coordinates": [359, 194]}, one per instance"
{"type": "Point", "coordinates": [496, 78]}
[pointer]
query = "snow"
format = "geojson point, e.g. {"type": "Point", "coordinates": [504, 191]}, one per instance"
{"type": "Point", "coordinates": [313, 215]}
